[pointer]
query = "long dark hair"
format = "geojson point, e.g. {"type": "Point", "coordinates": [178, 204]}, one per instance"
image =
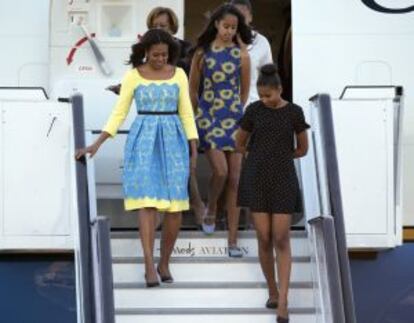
{"type": "Point", "coordinates": [150, 38]}
{"type": "Point", "coordinates": [210, 31]}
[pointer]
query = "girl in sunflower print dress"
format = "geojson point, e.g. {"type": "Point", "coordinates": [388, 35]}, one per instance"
{"type": "Point", "coordinates": [221, 66]}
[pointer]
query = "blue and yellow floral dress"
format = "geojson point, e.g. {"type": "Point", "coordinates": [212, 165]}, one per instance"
{"type": "Point", "coordinates": [220, 106]}
{"type": "Point", "coordinates": [156, 156]}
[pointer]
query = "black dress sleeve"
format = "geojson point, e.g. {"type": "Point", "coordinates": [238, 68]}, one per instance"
{"type": "Point", "coordinates": [299, 123]}
{"type": "Point", "coordinates": [247, 121]}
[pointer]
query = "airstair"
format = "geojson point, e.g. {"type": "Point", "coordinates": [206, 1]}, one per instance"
{"type": "Point", "coordinates": [209, 286]}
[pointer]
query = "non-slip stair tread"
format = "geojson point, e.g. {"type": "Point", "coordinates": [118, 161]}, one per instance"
{"type": "Point", "coordinates": [140, 260]}
{"type": "Point", "coordinates": [201, 235]}
{"type": "Point", "coordinates": [209, 311]}
{"type": "Point", "coordinates": [215, 285]}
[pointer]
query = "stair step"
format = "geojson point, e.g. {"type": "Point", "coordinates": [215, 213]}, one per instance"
{"type": "Point", "coordinates": [210, 311]}
{"type": "Point", "coordinates": [217, 315]}
{"type": "Point", "coordinates": [201, 247]}
{"type": "Point", "coordinates": [204, 285]}
{"type": "Point", "coordinates": [200, 235]}
{"type": "Point", "coordinates": [231, 297]}
{"type": "Point", "coordinates": [131, 270]}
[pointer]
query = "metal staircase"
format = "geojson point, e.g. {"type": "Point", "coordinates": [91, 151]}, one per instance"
{"type": "Point", "coordinates": [209, 286]}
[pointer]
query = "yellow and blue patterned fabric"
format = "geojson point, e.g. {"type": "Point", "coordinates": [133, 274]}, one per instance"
{"type": "Point", "coordinates": [156, 154]}
{"type": "Point", "coordinates": [220, 107]}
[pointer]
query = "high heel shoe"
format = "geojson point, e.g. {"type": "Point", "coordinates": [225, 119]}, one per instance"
{"type": "Point", "coordinates": [151, 284]}
{"type": "Point", "coordinates": [165, 279]}
{"type": "Point", "coordinates": [280, 319]}
{"type": "Point", "coordinates": [271, 303]}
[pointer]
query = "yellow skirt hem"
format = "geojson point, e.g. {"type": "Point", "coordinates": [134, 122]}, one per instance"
{"type": "Point", "coordinates": [160, 205]}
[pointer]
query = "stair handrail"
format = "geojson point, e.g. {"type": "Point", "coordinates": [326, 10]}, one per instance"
{"type": "Point", "coordinates": [94, 254]}
{"type": "Point", "coordinates": [329, 225]}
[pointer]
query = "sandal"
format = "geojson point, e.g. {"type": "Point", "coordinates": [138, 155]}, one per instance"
{"type": "Point", "coordinates": [208, 228]}
{"type": "Point", "coordinates": [199, 212]}
{"type": "Point", "coordinates": [235, 252]}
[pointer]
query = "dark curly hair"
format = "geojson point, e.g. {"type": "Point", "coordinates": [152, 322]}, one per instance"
{"type": "Point", "coordinates": [150, 38]}
{"type": "Point", "coordinates": [210, 31]}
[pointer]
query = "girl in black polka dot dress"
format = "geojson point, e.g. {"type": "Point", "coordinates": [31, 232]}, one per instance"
{"type": "Point", "coordinates": [268, 185]}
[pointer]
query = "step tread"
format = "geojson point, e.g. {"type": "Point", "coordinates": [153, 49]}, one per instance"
{"type": "Point", "coordinates": [210, 311]}
{"type": "Point", "coordinates": [140, 260]}
{"type": "Point", "coordinates": [201, 235]}
{"type": "Point", "coordinates": [211, 285]}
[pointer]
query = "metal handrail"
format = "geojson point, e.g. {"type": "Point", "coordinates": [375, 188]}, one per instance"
{"type": "Point", "coordinates": [332, 220]}
{"type": "Point", "coordinates": [94, 237]}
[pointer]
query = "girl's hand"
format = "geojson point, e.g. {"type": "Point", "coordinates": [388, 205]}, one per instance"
{"type": "Point", "coordinates": [91, 150]}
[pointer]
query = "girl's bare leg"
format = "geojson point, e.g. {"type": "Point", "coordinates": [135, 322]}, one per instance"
{"type": "Point", "coordinates": [234, 161]}
{"type": "Point", "coordinates": [218, 164]}
{"type": "Point", "coordinates": [281, 239]}
{"type": "Point", "coordinates": [197, 204]}
{"type": "Point", "coordinates": [263, 226]}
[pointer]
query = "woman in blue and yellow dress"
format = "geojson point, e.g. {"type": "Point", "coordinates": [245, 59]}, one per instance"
{"type": "Point", "coordinates": [156, 157]}
{"type": "Point", "coordinates": [221, 66]}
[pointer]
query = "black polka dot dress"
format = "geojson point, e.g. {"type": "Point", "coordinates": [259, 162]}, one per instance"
{"type": "Point", "coordinates": [268, 181]}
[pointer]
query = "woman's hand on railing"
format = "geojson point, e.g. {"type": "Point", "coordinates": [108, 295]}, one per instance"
{"type": "Point", "coordinates": [91, 150]}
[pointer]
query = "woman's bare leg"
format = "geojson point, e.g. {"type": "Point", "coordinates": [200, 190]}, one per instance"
{"type": "Point", "coordinates": [147, 221]}
{"type": "Point", "coordinates": [263, 227]}
{"type": "Point", "coordinates": [281, 239]}
{"type": "Point", "coordinates": [170, 229]}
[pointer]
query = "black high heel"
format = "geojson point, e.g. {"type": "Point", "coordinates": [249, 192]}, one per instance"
{"type": "Point", "coordinates": [165, 279]}
{"type": "Point", "coordinates": [151, 284]}
{"type": "Point", "coordinates": [272, 304]}
{"type": "Point", "coordinates": [280, 319]}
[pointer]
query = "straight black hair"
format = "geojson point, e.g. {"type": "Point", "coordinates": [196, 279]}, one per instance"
{"type": "Point", "coordinates": [210, 31]}
{"type": "Point", "coordinates": [269, 76]}
{"type": "Point", "coordinates": [150, 38]}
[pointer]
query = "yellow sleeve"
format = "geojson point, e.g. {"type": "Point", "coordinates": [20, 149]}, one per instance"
{"type": "Point", "coordinates": [185, 110]}
{"type": "Point", "coordinates": [121, 109]}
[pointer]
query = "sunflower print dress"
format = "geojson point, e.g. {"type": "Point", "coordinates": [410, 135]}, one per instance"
{"type": "Point", "coordinates": [220, 106]}
{"type": "Point", "coordinates": [156, 153]}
